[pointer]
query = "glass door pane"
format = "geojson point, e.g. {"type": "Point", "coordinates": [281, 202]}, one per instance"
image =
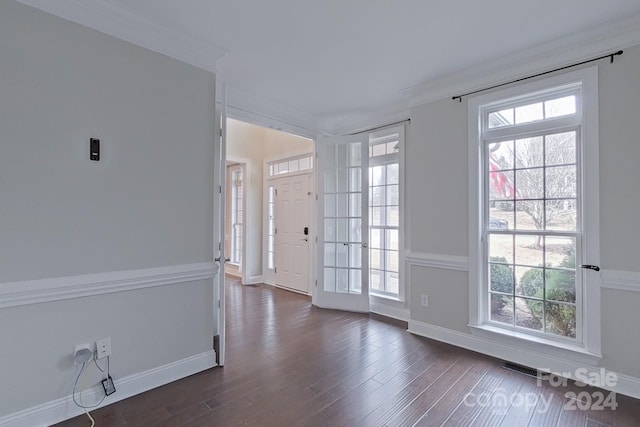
{"type": "Point", "coordinates": [341, 180]}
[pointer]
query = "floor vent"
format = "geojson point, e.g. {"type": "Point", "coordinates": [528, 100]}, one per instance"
{"type": "Point", "coordinates": [521, 369]}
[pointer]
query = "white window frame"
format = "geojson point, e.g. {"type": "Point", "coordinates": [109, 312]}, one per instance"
{"type": "Point", "coordinates": [271, 226]}
{"type": "Point", "coordinates": [237, 197]}
{"type": "Point", "coordinates": [587, 349]}
{"type": "Point", "coordinates": [385, 160]}
{"type": "Point", "coordinates": [272, 167]}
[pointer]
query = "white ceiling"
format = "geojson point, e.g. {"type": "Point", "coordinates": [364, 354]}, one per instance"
{"type": "Point", "coordinates": [333, 65]}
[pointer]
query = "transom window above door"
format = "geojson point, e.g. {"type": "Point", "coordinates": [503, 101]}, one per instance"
{"type": "Point", "coordinates": [289, 166]}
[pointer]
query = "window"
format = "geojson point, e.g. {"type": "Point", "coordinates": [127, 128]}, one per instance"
{"type": "Point", "coordinates": [530, 150]}
{"type": "Point", "coordinates": [282, 167]}
{"type": "Point", "coordinates": [237, 215]}
{"type": "Point", "coordinates": [384, 214]}
{"type": "Point", "coordinates": [271, 228]}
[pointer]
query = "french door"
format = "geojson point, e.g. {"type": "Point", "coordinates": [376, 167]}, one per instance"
{"type": "Point", "coordinates": [343, 262]}
{"type": "Point", "coordinates": [219, 221]}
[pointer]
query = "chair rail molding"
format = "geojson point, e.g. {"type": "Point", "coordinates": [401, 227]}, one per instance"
{"type": "Point", "coordinates": [446, 262]}
{"type": "Point", "coordinates": [621, 280]}
{"type": "Point", "coordinates": [14, 294]}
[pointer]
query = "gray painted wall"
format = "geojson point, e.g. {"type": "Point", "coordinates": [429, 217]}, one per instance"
{"type": "Point", "coordinates": [147, 203]}
{"type": "Point", "coordinates": [437, 191]}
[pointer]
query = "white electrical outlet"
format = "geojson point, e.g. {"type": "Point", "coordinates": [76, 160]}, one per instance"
{"type": "Point", "coordinates": [103, 348]}
{"type": "Point", "coordinates": [424, 300]}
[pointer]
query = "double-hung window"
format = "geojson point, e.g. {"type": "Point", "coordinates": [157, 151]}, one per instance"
{"type": "Point", "coordinates": [533, 209]}
{"type": "Point", "coordinates": [384, 213]}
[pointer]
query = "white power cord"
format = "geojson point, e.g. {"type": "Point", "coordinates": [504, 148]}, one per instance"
{"type": "Point", "coordinates": [75, 386]}
{"type": "Point", "coordinates": [81, 403]}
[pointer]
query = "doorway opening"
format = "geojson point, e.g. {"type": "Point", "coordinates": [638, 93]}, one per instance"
{"type": "Point", "coordinates": [270, 192]}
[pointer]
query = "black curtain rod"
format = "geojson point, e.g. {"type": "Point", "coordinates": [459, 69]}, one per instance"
{"type": "Point", "coordinates": [610, 56]}
{"type": "Point", "coordinates": [381, 127]}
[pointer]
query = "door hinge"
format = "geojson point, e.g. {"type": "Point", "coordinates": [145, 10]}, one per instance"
{"type": "Point", "coordinates": [275, 191]}
{"type": "Point", "coordinates": [219, 305]}
{"type": "Point", "coordinates": [316, 283]}
{"type": "Point", "coordinates": [219, 246]}
{"type": "Point", "coordinates": [220, 132]}
{"type": "Point", "coordinates": [316, 197]}
{"type": "Point", "coordinates": [275, 269]}
{"type": "Point", "coordinates": [316, 239]}
{"type": "Point", "coordinates": [220, 189]}
{"type": "Point", "coordinates": [275, 230]}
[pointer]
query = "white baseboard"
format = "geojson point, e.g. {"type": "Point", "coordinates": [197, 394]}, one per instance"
{"type": "Point", "coordinates": [234, 273]}
{"type": "Point", "coordinates": [253, 280]}
{"type": "Point", "coordinates": [398, 313]}
{"type": "Point", "coordinates": [62, 409]}
{"type": "Point", "coordinates": [297, 291]}
{"type": "Point", "coordinates": [626, 384]}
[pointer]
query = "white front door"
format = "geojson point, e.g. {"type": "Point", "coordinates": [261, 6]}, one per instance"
{"type": "Point", "coordinates": [343, 200]}
{"type": "Point", "coordinates": [292, 213]}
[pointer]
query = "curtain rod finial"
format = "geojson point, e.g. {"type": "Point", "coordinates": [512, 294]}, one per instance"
{"type": "Point", "coordinates": [611, 58]}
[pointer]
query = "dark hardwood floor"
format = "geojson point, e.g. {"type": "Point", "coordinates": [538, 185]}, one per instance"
{"type": "Point", "coordinates": [291, 364]}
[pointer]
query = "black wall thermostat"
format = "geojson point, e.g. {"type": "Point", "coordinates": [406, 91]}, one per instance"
{"type": "Point", "coordinates": [94, 149]}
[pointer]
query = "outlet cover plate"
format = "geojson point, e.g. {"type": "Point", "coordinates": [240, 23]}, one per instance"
{"type": "Point", "coordinates": [103, 348]}
{"type": "Point", "coordinates": [424, 300]}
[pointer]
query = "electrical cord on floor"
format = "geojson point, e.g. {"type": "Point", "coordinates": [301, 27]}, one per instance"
{"type": "Point", "coordinates": [93, 422]}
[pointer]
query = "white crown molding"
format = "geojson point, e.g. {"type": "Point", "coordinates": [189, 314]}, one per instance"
{"type": "Point", "coordinates": [626, 384]}
{"type": "Point", "coordinates": [364, 122]}
{"type": "Point", "coordinates": [560, 52]}
{"type": "Point", "coordinates": [621, 280]}
{"type": "Point", "coordinates": [115, 21]}
{"type": "Point", "coordinates": [563, 51]}
{"type": "Point", "coordinates": [260, 111]}
{"type": "Point", "coordinates": [446, 262]}
{"type": "Point", "coordinates": [58, 410]}
{"type": "Point", "coordinates": [14, 294]}
{"type": "Point", "coordinates": [109, 19]}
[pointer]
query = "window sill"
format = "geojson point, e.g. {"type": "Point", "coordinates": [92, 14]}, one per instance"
{"type": "Point", "coordinates": [536, 344]}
